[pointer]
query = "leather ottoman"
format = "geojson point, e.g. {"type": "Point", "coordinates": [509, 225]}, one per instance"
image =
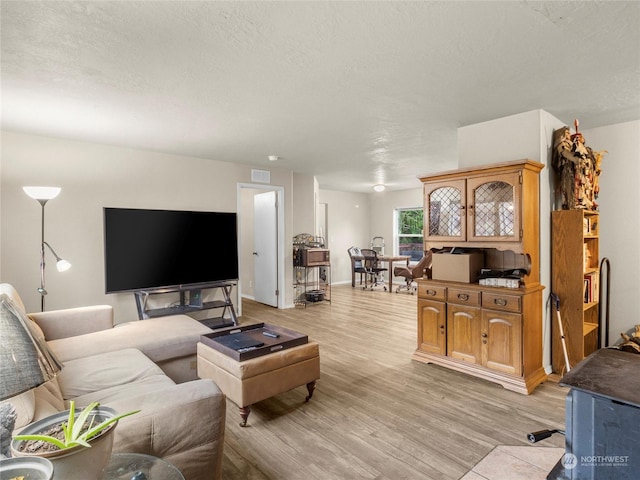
{"type": "Point", "coordinates": [251, 381]}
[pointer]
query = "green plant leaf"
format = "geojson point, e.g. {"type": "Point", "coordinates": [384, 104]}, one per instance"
{"type": "Point", "coordinates": [89, 434]}
{"type": "Point", "coordinates": [44, 438]}
{"type": "Point", "coordinates": [79, 442]}
{"type": "Point", "coordinates": [76, 429]}
{"type": "Point", "coordinates": [72, 428]}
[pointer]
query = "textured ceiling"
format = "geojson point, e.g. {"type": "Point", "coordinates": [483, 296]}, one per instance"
{"type": "Point", "coordinates": [355, 93]}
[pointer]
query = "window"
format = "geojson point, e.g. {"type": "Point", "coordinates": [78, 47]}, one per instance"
{"type": "Point", "coordinates": [408, 233]}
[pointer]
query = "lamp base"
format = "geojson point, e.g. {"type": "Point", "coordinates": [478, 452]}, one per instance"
{"type": "Point", "coordinates": [8, 417]}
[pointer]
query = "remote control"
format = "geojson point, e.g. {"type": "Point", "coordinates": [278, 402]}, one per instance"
{"type": "Point", "coordinates": [246, 349]}
{"type": "Point", "coordinates": [270, 334]}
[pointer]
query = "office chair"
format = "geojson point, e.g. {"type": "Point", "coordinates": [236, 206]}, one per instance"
{"type": "Point", "coordinates": [377, 244]}
{"type": "Point", "coordinates": [357, 265]}
{"type": "Point", "coordinates": [410, 273]}
{"type": "Point", "coordinates": [372, 269]}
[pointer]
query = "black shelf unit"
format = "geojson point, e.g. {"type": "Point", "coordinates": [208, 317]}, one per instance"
{"type": "Point", "coordinates": [190, 301]}
{"type": "Point", "coordinates": [311, 271]}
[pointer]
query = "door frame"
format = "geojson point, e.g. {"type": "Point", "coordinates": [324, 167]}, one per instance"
{"type": "Point", "coordinates": [280, 233]}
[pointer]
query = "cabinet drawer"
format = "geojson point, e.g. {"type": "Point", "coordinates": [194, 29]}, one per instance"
{"type": "Point", "coordinates": [432, 292]}
{"type": "Point", "coordinates": [497, 301]}
{"type": "Point", "coordinates": [463, 297]}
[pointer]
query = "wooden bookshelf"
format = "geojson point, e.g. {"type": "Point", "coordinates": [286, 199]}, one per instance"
{"type": "Point", "coordinates": [575, 278]}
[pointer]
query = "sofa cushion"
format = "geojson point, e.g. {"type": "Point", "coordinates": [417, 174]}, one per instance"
{"type": "Point", "coordinates": [70, 322]}
{"type": "Point", "coordinates": [158, 338]}
{"type": "Point", "coordinates": [108, 371]}
{"type": "Point", "coordinates": [48, 400]}
{"type": "Point", "coordinates": [151, 386]}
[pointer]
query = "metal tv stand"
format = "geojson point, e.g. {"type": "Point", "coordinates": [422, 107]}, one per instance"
{"type": "Point", "coordinates": [190, 301]}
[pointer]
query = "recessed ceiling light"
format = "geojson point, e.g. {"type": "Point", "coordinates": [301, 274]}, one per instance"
{"type": "Point", "coordinates": [273, 158]}
{"type": "Point", "coordinates": [379, 188]}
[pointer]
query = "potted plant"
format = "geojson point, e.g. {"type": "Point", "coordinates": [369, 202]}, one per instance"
{"type": "Point", "coordinates": [78, 442]}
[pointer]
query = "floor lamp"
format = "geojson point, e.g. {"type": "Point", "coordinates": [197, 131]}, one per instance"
{"type": "Point", "coordinates": [43, 195]}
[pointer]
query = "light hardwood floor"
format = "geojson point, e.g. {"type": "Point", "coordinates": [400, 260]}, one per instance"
{"type": "Point", "coordinates": [376, 413]}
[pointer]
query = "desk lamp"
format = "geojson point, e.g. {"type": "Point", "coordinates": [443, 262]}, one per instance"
{"type": "Point", "coordinates": [25, 363]}
{"type": "Point", "coordinates": [43, 195]}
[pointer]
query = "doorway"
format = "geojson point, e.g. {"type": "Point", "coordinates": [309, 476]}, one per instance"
{"type": "Point", "coordinates": [246, 243]}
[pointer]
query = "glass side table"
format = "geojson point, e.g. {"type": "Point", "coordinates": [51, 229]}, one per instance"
{"type": "Point", "coordinates": [137, 466]}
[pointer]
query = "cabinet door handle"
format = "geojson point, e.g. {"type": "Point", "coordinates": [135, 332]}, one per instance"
{"type": "Point", "coordinates": [442, 329]}
{"type": "Point", "coordinates": [431, 292]}
{"type": "Point", "coordinates": [484, 338]}
{"type": "Point", "coordinates": [500, 302]}
{"type": "Point", "coordinates": [463, 296]}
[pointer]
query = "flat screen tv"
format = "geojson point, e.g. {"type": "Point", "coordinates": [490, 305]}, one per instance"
{"type": "Point", "coordinates": [155, 249]}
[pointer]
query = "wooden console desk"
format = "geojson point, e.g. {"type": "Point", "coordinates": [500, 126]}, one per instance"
{"type": "Point", "coordinates": [389, 259]}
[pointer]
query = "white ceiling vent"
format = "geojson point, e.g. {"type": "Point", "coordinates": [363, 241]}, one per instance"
{"type": "Point", "coordinates": [260, 176]}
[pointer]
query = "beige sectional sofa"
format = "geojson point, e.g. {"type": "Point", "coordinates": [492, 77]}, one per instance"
{"type": "Point", "coordinates": [147, 365]}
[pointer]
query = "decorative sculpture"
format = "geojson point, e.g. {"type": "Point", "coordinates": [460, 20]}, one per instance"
{"type": "Point", "coordinates": [578, 169]}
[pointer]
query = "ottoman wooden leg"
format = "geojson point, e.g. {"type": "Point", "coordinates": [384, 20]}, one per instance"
{"type": "Point", "coordinates": [311, 386]}
{"type": "Point", "coordinates": [244, 413]}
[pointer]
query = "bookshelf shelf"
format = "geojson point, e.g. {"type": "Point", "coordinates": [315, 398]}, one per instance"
{"type": "Point", "coordinates": [588, 328]}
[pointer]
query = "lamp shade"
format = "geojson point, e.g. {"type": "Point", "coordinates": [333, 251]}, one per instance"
{"type": "Point", "coordinates": [63, 265]}
{"type": "Point", "coordinates": [25, 359]}
{"type": "Point", "coordinates": [42, 193]}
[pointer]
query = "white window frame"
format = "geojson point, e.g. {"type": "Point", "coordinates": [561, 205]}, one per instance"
{"type": "Point", "coordinates": [396, 233]}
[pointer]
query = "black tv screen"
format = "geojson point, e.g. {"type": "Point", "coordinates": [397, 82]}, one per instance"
{"type": "Point", "coordinates": [153, 249]}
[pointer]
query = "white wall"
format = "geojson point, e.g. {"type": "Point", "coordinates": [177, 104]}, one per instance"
{"type": "Point", "coordinates": [619, 202]}
{"type": "Point", "coordinates": [383, 207]}
{"type": "Point", "coordinates": [304, 204]}
{"type": "Point", "coordinates": [348, 225]}
{"type": "Point", "coordinates": [93, 176]}
{"type": "Point", "coordinates": [501, 140]}
{"type": "Point", "coordinates": [355, 218]}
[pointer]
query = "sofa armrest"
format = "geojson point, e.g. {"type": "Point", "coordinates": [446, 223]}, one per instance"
{"type": "Point", "coordinates": [183, 424]}
{"type": "Point", "coordinates": [71, 322]}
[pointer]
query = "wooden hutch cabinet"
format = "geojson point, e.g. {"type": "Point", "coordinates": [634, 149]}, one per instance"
{"type": "Point", "coordinates": [491, 332]}
{"type": "Point", "coordinates": [432, 319]}
{"type": "Point", "coordinates": [476, 209]}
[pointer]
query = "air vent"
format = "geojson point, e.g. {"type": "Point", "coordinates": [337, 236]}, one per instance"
{"type": "Point", "coordinates": [260, 176]}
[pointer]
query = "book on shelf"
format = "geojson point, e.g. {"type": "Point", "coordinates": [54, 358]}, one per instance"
{"type": "Point", "coordinates": [590, 226]}
{"type": "Point", "coordinates": [591, 287]}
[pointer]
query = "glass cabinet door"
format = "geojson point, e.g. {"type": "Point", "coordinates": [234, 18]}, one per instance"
{"type": "Point", "coordinates": [494, 208]}
{"type": "Point", "coordinates": [445, 211]}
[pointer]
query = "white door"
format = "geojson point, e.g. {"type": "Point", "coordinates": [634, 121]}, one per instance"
{"type": "Point", "coordinates": [265, 255]}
